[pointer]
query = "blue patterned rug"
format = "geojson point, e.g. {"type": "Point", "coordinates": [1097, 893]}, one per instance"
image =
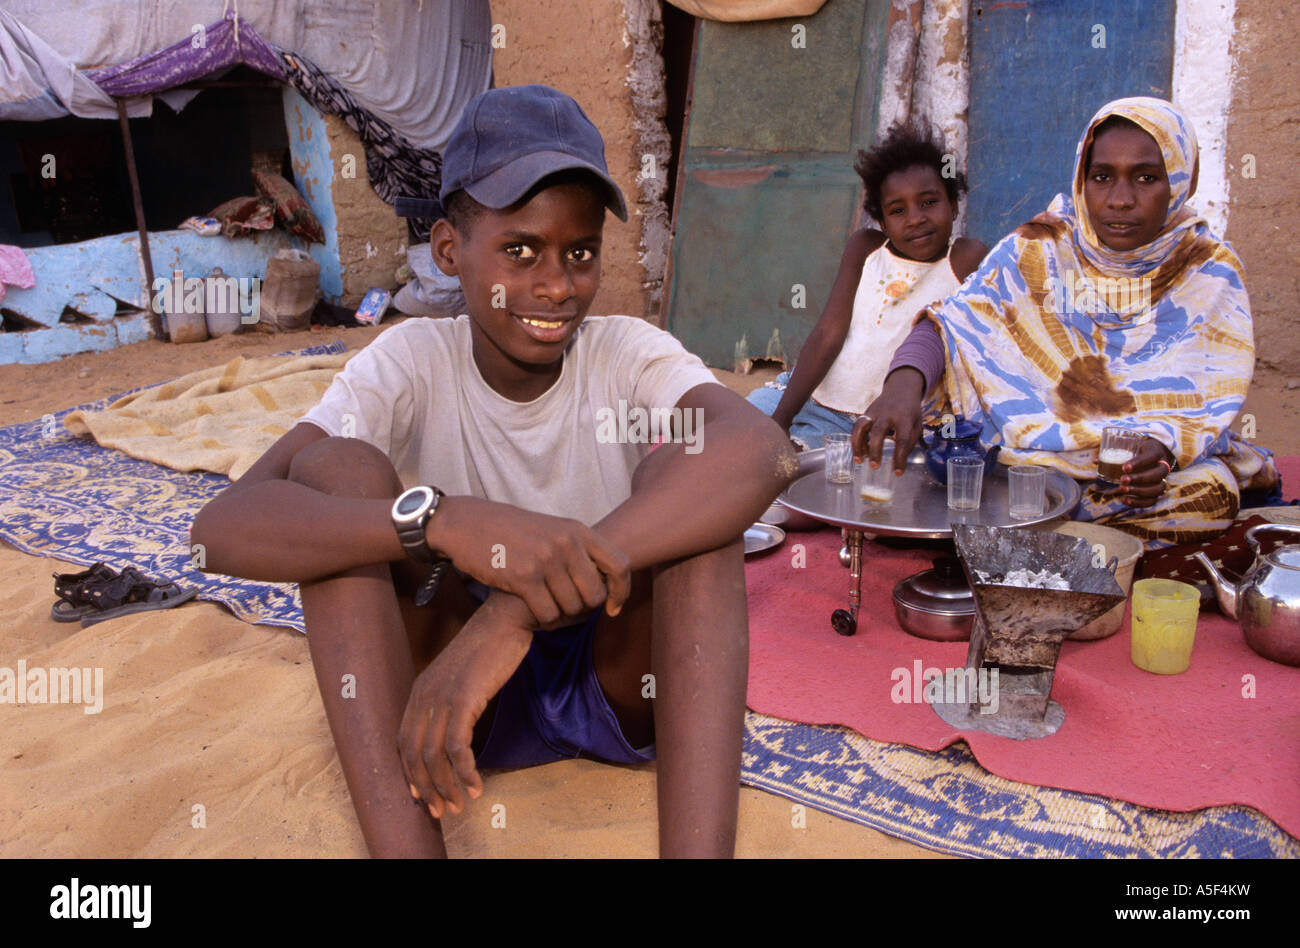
{"type": "Point", "coordinates": [69, 498]}
{"type": "Point", "coordinates": [947, 802]}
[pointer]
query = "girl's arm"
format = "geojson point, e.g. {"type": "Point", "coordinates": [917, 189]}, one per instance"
{"type": "Point", "coordinates": [824, 342]}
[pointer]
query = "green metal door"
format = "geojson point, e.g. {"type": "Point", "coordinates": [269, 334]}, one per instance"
{"type": "Point", "coordinates": [769, 195]}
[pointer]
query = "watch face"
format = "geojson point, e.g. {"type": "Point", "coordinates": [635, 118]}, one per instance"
{"type": "Point", "coordinates": [412, 501]}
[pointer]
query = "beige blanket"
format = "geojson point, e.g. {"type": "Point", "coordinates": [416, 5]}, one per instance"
{"type": "Point", "coordinates": [220, 419]}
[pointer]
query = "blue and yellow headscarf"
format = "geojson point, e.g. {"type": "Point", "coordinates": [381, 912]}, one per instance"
{"type": "Point", "coordinates": [1177, 141]}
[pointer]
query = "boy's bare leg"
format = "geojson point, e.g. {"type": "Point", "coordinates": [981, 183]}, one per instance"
{"type": "Point", "coordinates": [357, 627]}
{"type": "Point", "coordinates": [692, 633]}
{"type": "Point", "coordinates": [700, 654]}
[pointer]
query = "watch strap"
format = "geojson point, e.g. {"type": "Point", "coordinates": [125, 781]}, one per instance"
{"type": "Point", "coordinates": [429, 588]}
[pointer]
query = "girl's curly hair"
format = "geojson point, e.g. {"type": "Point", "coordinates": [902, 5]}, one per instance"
{"type": "Point", "coordinates": [906, 146]}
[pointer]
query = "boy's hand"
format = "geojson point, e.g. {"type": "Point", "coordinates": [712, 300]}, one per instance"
{"type": "Point", "coordinates": [436, 738]}
{"type": "Point", "coordinates": [898, 409]}
{"type": "Point", "coordinates": [1144, 476]}
{"type": "Point", "coordinates": [558, 567]}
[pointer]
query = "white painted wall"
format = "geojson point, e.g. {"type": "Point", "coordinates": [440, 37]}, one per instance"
{"type": "Point", "coordinates": [941, 96]}
{"type": "Point", "coordinates": [1204, 74]}
{"type": "Point", "coordinates": [924, 82]}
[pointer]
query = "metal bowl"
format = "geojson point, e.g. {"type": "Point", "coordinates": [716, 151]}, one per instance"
{"type": "Point", "coordinates": [937, 626]}
{"type": "Point", "coordinates": [763, 536]}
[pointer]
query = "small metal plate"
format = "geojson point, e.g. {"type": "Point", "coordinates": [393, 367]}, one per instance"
{"type": "Point", "coordinates": [763, 536]}
{"type": "Point", "coordinates": [964, 718]}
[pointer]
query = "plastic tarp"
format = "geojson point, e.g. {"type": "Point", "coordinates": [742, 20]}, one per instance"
{"type": "Point", "coordinates": [412, 63]}
{"type": "Point", "coordinates": [38, 83]}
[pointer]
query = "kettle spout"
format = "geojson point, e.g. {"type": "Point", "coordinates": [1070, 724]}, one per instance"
{"type": "Point", "coordinates": [1224, 591]}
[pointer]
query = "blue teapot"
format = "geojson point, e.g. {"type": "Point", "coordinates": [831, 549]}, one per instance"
{"type": "Point", "coordinates": [962, 441]}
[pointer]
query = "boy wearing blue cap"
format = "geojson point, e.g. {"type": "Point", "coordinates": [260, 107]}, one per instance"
{"type": "Point", "coordinates": [548, 583]}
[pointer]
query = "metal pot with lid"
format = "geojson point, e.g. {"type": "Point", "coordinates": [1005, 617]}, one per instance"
{"type": "Point", "coordinates": [936, 604]}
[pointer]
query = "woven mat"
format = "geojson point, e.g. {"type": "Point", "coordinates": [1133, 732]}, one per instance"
{"type": "Point", "coordinates": [945, 801]}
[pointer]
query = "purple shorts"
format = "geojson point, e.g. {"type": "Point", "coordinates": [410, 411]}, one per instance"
{"type": "Point", "coordinates": [552, 708]}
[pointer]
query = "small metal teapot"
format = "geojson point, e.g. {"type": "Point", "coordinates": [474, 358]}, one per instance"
{"type": "Point", "coordinates": [957, 437]}
{"type": "Point", "coordinates": [1267, 600]}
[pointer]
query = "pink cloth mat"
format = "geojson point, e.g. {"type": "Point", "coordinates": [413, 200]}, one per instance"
{"type": "Point", "coordinates": [1179, 742]}
{"type": "Point", "coordinates": [15, 269]}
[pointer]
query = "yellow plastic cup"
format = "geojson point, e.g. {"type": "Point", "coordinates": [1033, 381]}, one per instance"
{"type": "Point", "coordinates": [1164, 625]}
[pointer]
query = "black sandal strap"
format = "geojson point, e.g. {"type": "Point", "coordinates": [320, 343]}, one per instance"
{"type": "Point", "coordinates": [73, 587]}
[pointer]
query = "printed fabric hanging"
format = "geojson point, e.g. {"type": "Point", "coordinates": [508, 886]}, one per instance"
{"type": "Point", "coordinates": [396, 167]}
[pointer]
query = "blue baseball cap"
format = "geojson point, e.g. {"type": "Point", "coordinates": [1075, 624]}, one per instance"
{"type": "Point", "coordinates": [509, 139]}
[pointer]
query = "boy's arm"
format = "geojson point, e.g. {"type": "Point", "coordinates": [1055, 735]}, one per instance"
{"type": "Point", "coordinates": [741, 457]}
{"type": "Point", "coordinates": [823, 344]}
{"type": "Point", "coordinates": [270, 528]}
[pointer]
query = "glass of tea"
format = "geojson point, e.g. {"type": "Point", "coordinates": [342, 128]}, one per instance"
{"type": "Point", "coordinates": [839, 459]}
{"type": "Point", "coordinates": [965, 482]}
{"type": "Point", "coordinates": [876, 485]}
{"type": "Point", "coordinates": [1118, 447]}
{"type": "Point", "coordinates": [1026, 491]}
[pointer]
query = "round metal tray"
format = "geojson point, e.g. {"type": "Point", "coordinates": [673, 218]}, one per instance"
{"type": "Point", "coordinates": [919, 508]}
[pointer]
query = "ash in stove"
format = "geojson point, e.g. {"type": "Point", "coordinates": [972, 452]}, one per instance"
{"type": "Point", "coordinates": [1023, 578]}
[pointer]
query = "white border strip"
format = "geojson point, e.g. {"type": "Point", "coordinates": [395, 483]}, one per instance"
{"type": "Point", "coordinates": [1204, 74]}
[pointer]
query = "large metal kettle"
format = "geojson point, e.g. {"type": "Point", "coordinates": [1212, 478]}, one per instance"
{"type": "Point", "coordinates": [1267, 600]}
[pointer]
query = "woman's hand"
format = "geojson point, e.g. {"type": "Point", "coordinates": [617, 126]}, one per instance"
{"type": "Point", "coordinates": [897, 410]}
{"type": "Point", "coordinates": [1144, 476]}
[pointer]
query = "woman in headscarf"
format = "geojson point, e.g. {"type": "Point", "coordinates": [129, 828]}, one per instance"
{"type": "Point", "coordinates": [1116, 307]}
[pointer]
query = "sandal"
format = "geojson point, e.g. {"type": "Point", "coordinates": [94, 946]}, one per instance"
{"type": "Point", "coordinates": [71, 589]}
{"type": "Point", "coordinates": [99, 594]}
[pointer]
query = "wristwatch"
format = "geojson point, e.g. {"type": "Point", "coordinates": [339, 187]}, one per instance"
{"type": "Point", "coordinates": [411, 514]}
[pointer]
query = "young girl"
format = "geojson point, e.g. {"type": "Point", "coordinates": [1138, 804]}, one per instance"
{"type": "Point", "coordinates": [884, 281]}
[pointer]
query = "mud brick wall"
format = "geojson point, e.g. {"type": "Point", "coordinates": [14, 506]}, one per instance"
{"type": "Point", "coordinates": [1264, 123]}
{"type": "Point", "coordinates": [372, 238]}
{"type": "Point", "coordinates": [604, 53]}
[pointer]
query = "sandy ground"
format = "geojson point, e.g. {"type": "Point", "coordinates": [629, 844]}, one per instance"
{"type": "Point", "coordinates": [208, 720]}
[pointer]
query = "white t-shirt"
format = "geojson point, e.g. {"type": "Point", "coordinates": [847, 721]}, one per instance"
{"type": "Point", "coordinates": [891, 293]}
{"type": "Point", "coordinates": [416, 394]}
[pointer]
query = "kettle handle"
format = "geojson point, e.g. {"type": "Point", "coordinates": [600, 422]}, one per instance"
{"type": "Point", "coordinates": [1259, 528]}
